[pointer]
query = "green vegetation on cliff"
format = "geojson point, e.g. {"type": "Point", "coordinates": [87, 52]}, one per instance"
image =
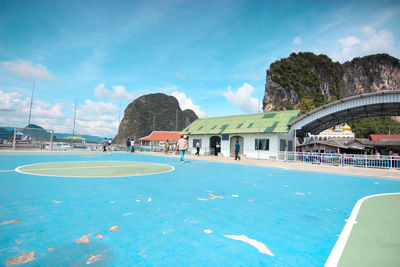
{"type": "Point", "coordinates": [304, 73]}
{"type": "Point", "coordinates": [158, 112]}
{"type": "Point", "coordinates": [378, 125]}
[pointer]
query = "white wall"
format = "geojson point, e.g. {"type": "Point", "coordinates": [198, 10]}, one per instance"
{"type": "Point", "coordinates": [248, 149]}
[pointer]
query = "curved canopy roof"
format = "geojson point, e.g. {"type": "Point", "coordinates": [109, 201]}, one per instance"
{"type": "Point", "coordinates": [384, 103]}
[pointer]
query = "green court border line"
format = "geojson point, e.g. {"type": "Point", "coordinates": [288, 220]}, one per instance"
{"type": "Point", "coordinates": [19, 171]}
{"type": "Point", "coordinates": [337, 251]}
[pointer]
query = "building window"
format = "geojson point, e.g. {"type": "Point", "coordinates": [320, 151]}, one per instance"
{"type": "Point", "coordinates": [261, 144]}
{"type": "Point", "coordinates": [290, 146]}
{"type": "Point", "coordinates": [195, 142]}
{"type": "Point", "coordinates": [282, 145]}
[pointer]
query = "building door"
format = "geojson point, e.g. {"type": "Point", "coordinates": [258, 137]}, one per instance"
{"type": "Point", "coordinates": [215, 145]}
{"type": "Point", "coordinates": [233, 142]}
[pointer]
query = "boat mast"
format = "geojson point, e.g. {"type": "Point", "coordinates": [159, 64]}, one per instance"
{"type": "Point", "coordinates": [30, 110]}
{"type": "Point", "coordinates": [73, 127]}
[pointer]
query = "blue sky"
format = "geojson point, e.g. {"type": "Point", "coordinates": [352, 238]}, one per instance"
{"type": "Point", "coordinates": [211, 55]}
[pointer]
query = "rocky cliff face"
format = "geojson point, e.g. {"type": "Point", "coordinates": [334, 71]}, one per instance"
{"type": "Point", "coordinates": [307, 81]}
{"type": "Point", "coordinates": [158, 111]}
{"type": "Point", "coordinates": [370, 74]}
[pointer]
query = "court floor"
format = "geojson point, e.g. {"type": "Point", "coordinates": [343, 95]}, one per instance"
{"type": "Point", "coordinates": [195, 214]}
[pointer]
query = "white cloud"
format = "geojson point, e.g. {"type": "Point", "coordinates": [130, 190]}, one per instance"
{"type": "Point", "coordinates": [94, 118]}
{"type": "Point", "coordinates": [118, 92]}
{"type": "Point", "coordinates": [370, 41]}
{"type": "Point", "coordinates": [180, 75]}
{"type": "Point", "coordinates": [15, 111]}
{"type": "Point", "coordinates": [242, 98]}
{"type": "Point", "coordinates": [101, 91]}
{"type": "Point", "coordinates": [187, 103]}
{"type": "Point", "coordinates": [27, 71]}
{"type": "Point", "coordinates": [297, 40]}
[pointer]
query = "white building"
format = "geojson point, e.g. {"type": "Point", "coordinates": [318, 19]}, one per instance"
{"type": "Point", "coordinates": [341, 131]}
{"type": "Point", "coordinates": [261, 135]}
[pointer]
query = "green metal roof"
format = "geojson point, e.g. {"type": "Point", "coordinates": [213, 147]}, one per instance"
{"type": "Point", "coordinates": [269, 122]}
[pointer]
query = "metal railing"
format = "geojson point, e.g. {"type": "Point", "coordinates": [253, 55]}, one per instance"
{"type": "Point", "coordinates": [364, 161]}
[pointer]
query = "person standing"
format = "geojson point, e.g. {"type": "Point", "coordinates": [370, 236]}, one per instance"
{"type": "Point", "coordinates": [109, 144]}
{"type": "Point", "coordinates": [104, 145]}
{"type": "Point", "coordinates": [133, 145]}
{"type": "Point", "coordinates": [198, 148]}
{"type": "Point", "coordinates": [167, 147]}
{"type": "Point", "coordinates": [182, 145]}
{"type": "Point", "coordinates": [128, 145]}
{"type": "Point", "coordinates": [237, 149]}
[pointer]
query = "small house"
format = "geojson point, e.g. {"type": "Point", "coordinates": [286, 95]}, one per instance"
{"type": "Point", "coordinates": [260, 135]}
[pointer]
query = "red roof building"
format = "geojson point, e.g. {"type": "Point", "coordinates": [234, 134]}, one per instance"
{"type": "Point", "coordinates": [384, 137]}
{"type": "Point", "coordinates": [161, 136]}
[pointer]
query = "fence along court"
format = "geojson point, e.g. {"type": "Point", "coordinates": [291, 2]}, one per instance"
{"type": "Point", "coordinates": [355, 160]}
{"type": "Point", "coordinates": [28, 138]}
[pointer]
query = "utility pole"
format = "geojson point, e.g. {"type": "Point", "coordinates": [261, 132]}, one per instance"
{"type": "Point", "coordinates": [206, 141]}
{"type": "Point", "coordinates": [30, 110]}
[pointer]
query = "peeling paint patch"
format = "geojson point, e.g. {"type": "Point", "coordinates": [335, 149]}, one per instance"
{"type": "Point", "coordinates": [113, 228]}
{"type": "Point", "coordinates": [50, 249]}
{"type": "Point", "coordinates": [149, 199]}
{"type": "Point", "coordinates": [93, 259]}
{"type": "Point", "coordinates": [207, 231]}
{"type": "Point", "coordinates": [20, 259]}
{"type": "Point", "coordinates": [203, 199]}
{"type": "Point", "coordinates": [235, 195]}
{"type": "Point", "coordinates": [142, 253]}
{"type": "Point", "coordinates": [56, 202]}
{"type": "Point", "coordinates": [209, 191]}
{"type": "Point", "coordinates": [8, 222]}
{"type": "Point", "coordinates": [84, 239]}
{"type": "Point", "coordinates": [257, 244]}
{"type": "Point", "coordinates": [298, 193]}
{"type": "Point", "coordinates": [99, 236]}
{"type": "Point", "coordinates": [17, 242]}
{"type": "Point", "coordinates": [127, 214]}
{"type": "Point", "coordinates": [214, 196]}
{"type": "Point", "coordinates": [250, 200]}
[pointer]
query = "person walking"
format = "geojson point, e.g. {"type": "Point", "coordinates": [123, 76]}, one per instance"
{"type": "Point", "coordinates": [198, 148]}
{"type": "Point", "coordinates": [237, 149]}
{"type": "Point", "coordinates": [128, 145]}
{"type": "Point", "coordinates": [133, 145]}
{"type": "Point", "coordinates": [104, 144]}
{"type": "Point", "coordinates": [167, 147]}
{"type": "Point", "coordinates": [109, 144]}
{"type": "Point", "coordinates": [181, 146]}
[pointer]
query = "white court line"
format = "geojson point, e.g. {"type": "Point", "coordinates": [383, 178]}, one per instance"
{"type": "Point", "coordinates": [6, 170]}
{"type": "Point", "coordinates": [337, 250]}
{"type": "Point", "coordinates": [94, 167]}
{"type": "Point", "coordinates": [128, 164]}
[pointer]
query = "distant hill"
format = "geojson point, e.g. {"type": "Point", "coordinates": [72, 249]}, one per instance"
{"type": "Point", "coordinates": [158, 111]}
{"type": "Point", "coordinates": [89, 138]}
{"type": "Point", "coordinates": [9, 131]}
{"type": "Point", "coordinates": [5, 133]}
